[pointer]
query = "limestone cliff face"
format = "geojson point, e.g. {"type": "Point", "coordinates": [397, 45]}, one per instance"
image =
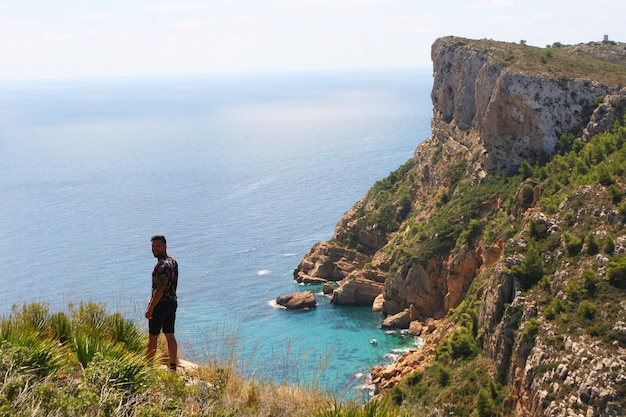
{"type": "Point", "coordinates": [492, 111]}
{"type": "Point", "coordinates": [487, 112]}
{"type": "Point", "coordinates": [511, 115]}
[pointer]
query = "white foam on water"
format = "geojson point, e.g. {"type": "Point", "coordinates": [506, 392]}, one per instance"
{"type": "Point", "coordinates": [274, 304]}
{"type": "Point", "coordinates": [420, 342]}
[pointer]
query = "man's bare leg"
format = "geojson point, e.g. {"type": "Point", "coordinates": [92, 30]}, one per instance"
{"type": "Point", "coordinates": [172, 350]}
{"type": "Point", "coordinates": [152, 346]}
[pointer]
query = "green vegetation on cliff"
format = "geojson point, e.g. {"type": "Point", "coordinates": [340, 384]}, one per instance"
{"type": "Point", "coordinates": [529, 266]}
{"type": "Point", "coordinates": [567, 265]}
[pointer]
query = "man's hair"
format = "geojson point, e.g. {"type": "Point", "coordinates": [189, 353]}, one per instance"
{"type": "Point", "coordinates": [159, 237]}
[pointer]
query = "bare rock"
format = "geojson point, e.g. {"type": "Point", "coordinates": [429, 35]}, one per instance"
{"type": "Point", "coordinates": [328, 288]}
{"type": "Point", "coordinates": [605, 115]}
{"type": "Point", "coordinates": [309, 280]}
{"type": "Point", "coordinates": [415, 328]}
{"type": "Point", "coordinates": [620, 330]}
{"type": "Point", "coordinates": [327, 262]}
{"type": "Point", "coordinates": [297, 301]}
{"type": "Point", "coordinates": [357, 291]}
{"type": "Point", "coordinates": [377, 305]}
{"type": "Point", "coordinates": [385, 377]}
{"type": "Point", "coordinates": [397, 321]}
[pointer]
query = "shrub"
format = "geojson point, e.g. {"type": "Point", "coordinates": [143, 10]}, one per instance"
{"type": "Point", "coordinates": [616, 272]}
{"type": "Point", "coordinates": [414, 378]}
{"type": "Point", "coordinates": [608, 244]}
{"type": "Point", "coordinates": [456, 171]}
{"type": "Point", "coordinates": [531, 270]}
{"type": "Point", "coordinates": [525, 169]}
{"type": "Point", "coordinates": [616, 193]}
{"type": "Point", "coordinates": [554, 308]}
{"type": "Point", "coordinates": [85, 347]}
{"type": "Point", "coordinates": [124, 331]}
{"type": "Point", "coordinates": [509, 55]}
{"type": "Point", "coordinates": [29, 355]}
{"type": "Point", "coordinates": [443, 376]}
{"type": "Point", "coordinates": [89, 318]}
{"type": "Point", "coordinates": [126, 372]}
{"type": "Point", "coordinates": [61, 327]}
{"type": "Point", "coordinates": [590, 278]}
{"type": "Point", "coordinates": [536, 232]}
{"type": "Point", "coordinates": [463, 345]}
{"type": "Point", "coordinates": [474, 228]}
{"type": "Point", "coordinates": [397, 395]}
{"type": "Point", "coordinates": [573, 244]}
{"type": "Point", "coordinates": [587, 310]}
{"type": "Point", "coordinates": [544, 58]}
{"type": "Point", "coordinates": [604, 176]}
{"type": "Point", "coordinates": [565, 143]}
{"type": "Point", "coordinates": [484, 404]}
{"type": "Point", "coordinates": [531, 330]}
{"type": "Point", "coordinates": [573, 290]}
{"type": "Point", "coordinates": [592, 244]}
{"type": "Point", "coordinates": [32, 317]}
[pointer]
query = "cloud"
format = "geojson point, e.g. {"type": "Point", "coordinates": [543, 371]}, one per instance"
{"type": "Point", "coordinates": [247, 18]}
{"type": "Point", "coordinates": [503, 19]}
{"type": "Point", "coordinates": [53, 36]}
{"type": "Point", "coordinates": [9, 24]}
{"type": "Point", "coordinates": [194, 24]}
{"type": "Point", "coordinates": [490, 4]}
{"type": "Point", "coordinates": [92, 16]}
{"type": "Point", "coordinates": [543, 15]}
{"type": "Point", "coordinates": [333, 4]}
{"type": "Point", "coordinates": [177, 7]}
{"type": "Point", "coordinates": [29, 22]}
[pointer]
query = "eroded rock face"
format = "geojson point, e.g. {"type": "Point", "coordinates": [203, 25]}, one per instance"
{"type": "Point", "coordinates": [423, 288]}
{"type": "Point", "coordinates": [439, 287]}
{"type": "Point", "coordinates": [358, 291]}
{"type": "Point", "coordinates": [326, 262]}
{"type": "Point", "coordinates": [605, 114]}
{"type": "Point", "coordinates": [517, 116]}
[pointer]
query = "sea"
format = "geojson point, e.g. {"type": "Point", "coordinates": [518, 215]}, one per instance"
{"type": "Point", "coordinates": [243, 173]}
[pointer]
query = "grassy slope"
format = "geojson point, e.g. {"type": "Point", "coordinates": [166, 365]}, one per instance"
{"type": "Point", "coordinates": [85, 362]}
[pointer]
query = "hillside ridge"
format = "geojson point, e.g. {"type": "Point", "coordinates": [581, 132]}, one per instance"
{"type": "Point", "coordinates": [523, 139]}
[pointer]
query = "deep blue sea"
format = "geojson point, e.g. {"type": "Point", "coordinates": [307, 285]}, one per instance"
{"type": "Point", "coordinates": [242, 173]}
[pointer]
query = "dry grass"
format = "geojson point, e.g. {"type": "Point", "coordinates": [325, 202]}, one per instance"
{"type": "Point", "coordinates": [88, 363]}
{"type": "Point", "coordinates": [601, 62]}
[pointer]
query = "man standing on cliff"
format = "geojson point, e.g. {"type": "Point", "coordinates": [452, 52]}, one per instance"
{"type": "Point", "coordinates": [161, 311]}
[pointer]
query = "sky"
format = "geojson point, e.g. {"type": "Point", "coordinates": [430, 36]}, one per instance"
{"type": "Point", "coordinates": [89, 38]}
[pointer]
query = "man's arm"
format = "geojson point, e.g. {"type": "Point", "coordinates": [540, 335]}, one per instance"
{"type": "Point", "coordinates": [156, 295]}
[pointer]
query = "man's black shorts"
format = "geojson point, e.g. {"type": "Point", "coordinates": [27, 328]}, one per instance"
{"type": "Point", "coordinates": [163, 318]}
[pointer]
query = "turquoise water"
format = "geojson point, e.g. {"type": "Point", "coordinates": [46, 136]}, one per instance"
{"type": "Point", "coordinates": [242, 173]}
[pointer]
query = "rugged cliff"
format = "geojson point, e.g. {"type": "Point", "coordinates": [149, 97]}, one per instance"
{"type": "Point", "coordinates": [493, 233]}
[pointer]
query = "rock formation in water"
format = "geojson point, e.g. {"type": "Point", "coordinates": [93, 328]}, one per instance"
{"type": "Point", "coordinates": [302, 300]}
